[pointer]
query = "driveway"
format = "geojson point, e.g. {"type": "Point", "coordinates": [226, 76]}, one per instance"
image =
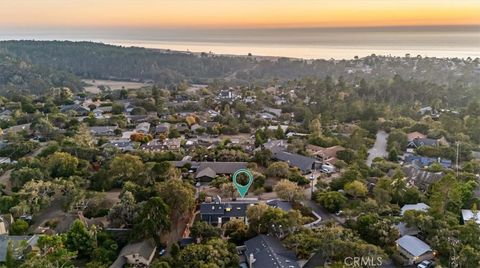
{"type": "Point", "coordinates": [319, 210]}
{"type": "Point", "coordinates": [379, 149]}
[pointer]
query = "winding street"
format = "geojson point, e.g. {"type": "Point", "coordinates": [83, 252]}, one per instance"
{"type": "Point", "coordinates": [379, 149]}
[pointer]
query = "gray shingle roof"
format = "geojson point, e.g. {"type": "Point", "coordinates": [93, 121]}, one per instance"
{"type": "Point", "coordinates": [218, 167]}
{"type": "Point", "coordinates": [16, 241]}
{"type": "Point", "coordinates": [225, 209]}
{"type": "Point", "coordinates": [223, 167]}
{"type": "Point", "coordinates": [207, 172]}
{"type": "Point", "coordinates": [413, 245]}
{"type": "Point", "coordinates": [269, 252]}
{"type": "Point", "coordinates": [283, 205]}
{"type": "Point", "coordinates": [304, 163]}
{"type": "Point", "coordinates": [416, 207]}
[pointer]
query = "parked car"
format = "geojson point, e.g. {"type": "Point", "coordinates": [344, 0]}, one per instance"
{"type": "Point", "coordinates": [426, 264]}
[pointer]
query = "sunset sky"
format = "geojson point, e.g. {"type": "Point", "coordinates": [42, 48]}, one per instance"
{"type": "Point", "coordinates": [236, 13]}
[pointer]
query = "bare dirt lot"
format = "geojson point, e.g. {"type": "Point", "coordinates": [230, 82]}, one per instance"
{"type": "Point", "coordinates": [110, 84]}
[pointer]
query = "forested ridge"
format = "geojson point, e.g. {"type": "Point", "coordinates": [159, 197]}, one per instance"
{"type": "Point", "coordinates": [35, 66]}
{"type": "Point", "coordinates": [96, 60]}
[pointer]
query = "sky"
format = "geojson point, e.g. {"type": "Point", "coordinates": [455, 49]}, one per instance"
{"type": "Point", "coordinates": [235, 13]}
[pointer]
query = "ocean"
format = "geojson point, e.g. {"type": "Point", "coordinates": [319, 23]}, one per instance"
{"type": "Point", "coordinates": [308, 43]}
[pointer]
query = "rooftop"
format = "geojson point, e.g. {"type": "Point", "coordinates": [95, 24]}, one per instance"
{"type": "Point", "coordinates": [269, 252]}
{"type": "Point", "coordinates": [413, 245]}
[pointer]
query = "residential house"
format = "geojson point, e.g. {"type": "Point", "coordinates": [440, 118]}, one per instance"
{"type": "Point", "coordinates": [154, 146]}
{"type": "Point", "coordinates": [122, 144]}
{"type": "Point", "coordinates": [207, 171]}
{"type": "Point", "coordinates": [415, 135]}
{"type": "Point", "coordinates": [413, 250]}
{"type": "Point", "coordinates": [267, 116]}
{"type": "Point", "coordinates": [304, 163]}
{"type": "Point", "coordinates": [172, 144]}
{"type": "Point", "coordinates": [326, 155]}
{"type": "Point", "coordinates": [100, 111]}
{"type": "Point", "coordinates": [5, 221]}
{"type": "Point", "coordinates": [468, 214]}
{"type": "Point", "coordinates": [417, 142]}
{"type": "Point", "coordinates": [5, 160]}
{"type": "Point", "coordinates": [22, 244]}
{"type": "Point", "coordinates": [136, 119]}
{"type": "Point", "coordinates": [426, 110]}
{"type": "Point", "coordinates": [273, 111]}
{"type": "Point", "coordinates": [143, 128]}
{"type": "Point", "coordinates": [276, 145]}
{"type": "Point", "coordinates": [218, 212]}
{"type": "Point", "coordinates": [404, 229]}
{"type": "Point", "coordinates": [138, 254]}
{"type": "Point", "coordinates": [249, 99]}
{"type": "Point", "coordinates": [281, 204]}
{"type": "Point", "coordinates": [416, 207]}
{"type": "Point", "coordinates": [182, 127]}
{"type": "Point", "coordinates": [103, 130]}
{"type": "Point", "coordinates": [274, 128]}
{"type": "Point", "coordinates": [420, 178]}
{"type": "Point", "coordinates": [213, 113]}
{"type": "Point", "coordinates": [196, 127]}
{"type": "Point", "coordinates": [17, 128]}
{"type": "Point", "coordinates": [422, 161]}
{"type": "Point", "coordinates": [267, 251]}
{"type": "Point", "coordinates": [279, 100]}
{"type": "Point", "coordinates": [162, 128]}
{"type": "Point", "coordinates": [78, 109]}
{"type": "Point", "coordinates": [226, 95]}
{"type": "Point", "coordinates": [296, 134]}
{"type": "Point", "coordinates": [6, 115]}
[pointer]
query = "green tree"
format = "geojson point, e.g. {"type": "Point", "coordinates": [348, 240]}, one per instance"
{"type": "Point", "coordinates": [446, 196]}
{"type": "Point", "coordinates": [397, 140]}
{"type": "Point", "coordinates": [263, 157]}
{"type": "Point", "coordinates": [123, 213]}
{"type": "Point", "coordinates": [20, 176]}
{"type": "Point", "coordinates": [289, 191]}
{"type": "Point", "coordinates": [331, 242]}
{"type": "Point", "coordinates": [10, 261]}
{"type": "Point", "coordinates": [79, 239]}
{"type": "Point", "coordinates": [356, 189]}
{"type": "Point", "coordinates": [18, 227]}
{"type": "Point", "coordinates": [178, 195]}
{"type": "Point", "coordinates": [278, 169]}
{"type": "Point", "coordinates": [332, 201]}
{"type": "Point", "coordinates": [127, 167]}
{"type": "Point", "coordinates": [153, 219]}
{"type": "Point", "coordinates": [53, 253]}
{"type": "Point", "coordinates": [118, 108]}
{"type": "Point", "coordinates": [236, 230]}
{"type": "Point", "coordinates": [204, 231]}
{"type": "Point", "coordinates": [215, 253]}
{"type": "Point", "coordinates": [393, 155]}
{"type": "Point", "coordinates": [378, 231]}
{"type": "Point", "coordinates": [62, 164]}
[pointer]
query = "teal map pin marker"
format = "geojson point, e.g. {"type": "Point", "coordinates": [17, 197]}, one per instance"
{"type": "Point", "coordinates": [242, 189]}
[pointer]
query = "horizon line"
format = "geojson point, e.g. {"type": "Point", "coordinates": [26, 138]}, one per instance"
{"type": "Point", "coordinates": [120, 27]}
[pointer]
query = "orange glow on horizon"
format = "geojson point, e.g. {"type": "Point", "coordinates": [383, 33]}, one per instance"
{"type": "Point", "coordinates": [237, 13]}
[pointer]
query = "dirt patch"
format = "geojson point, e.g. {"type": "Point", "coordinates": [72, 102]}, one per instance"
{"type": "Point", "coordinates": [93, 85]}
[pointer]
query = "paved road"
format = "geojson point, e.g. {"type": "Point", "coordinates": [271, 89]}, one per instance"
{"type": "Point", "coordinates": [379, 149]}
{"type": "Point", "coordinates": [322, 212]}
{"type": "Point", "coordinates": [5, 178]}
